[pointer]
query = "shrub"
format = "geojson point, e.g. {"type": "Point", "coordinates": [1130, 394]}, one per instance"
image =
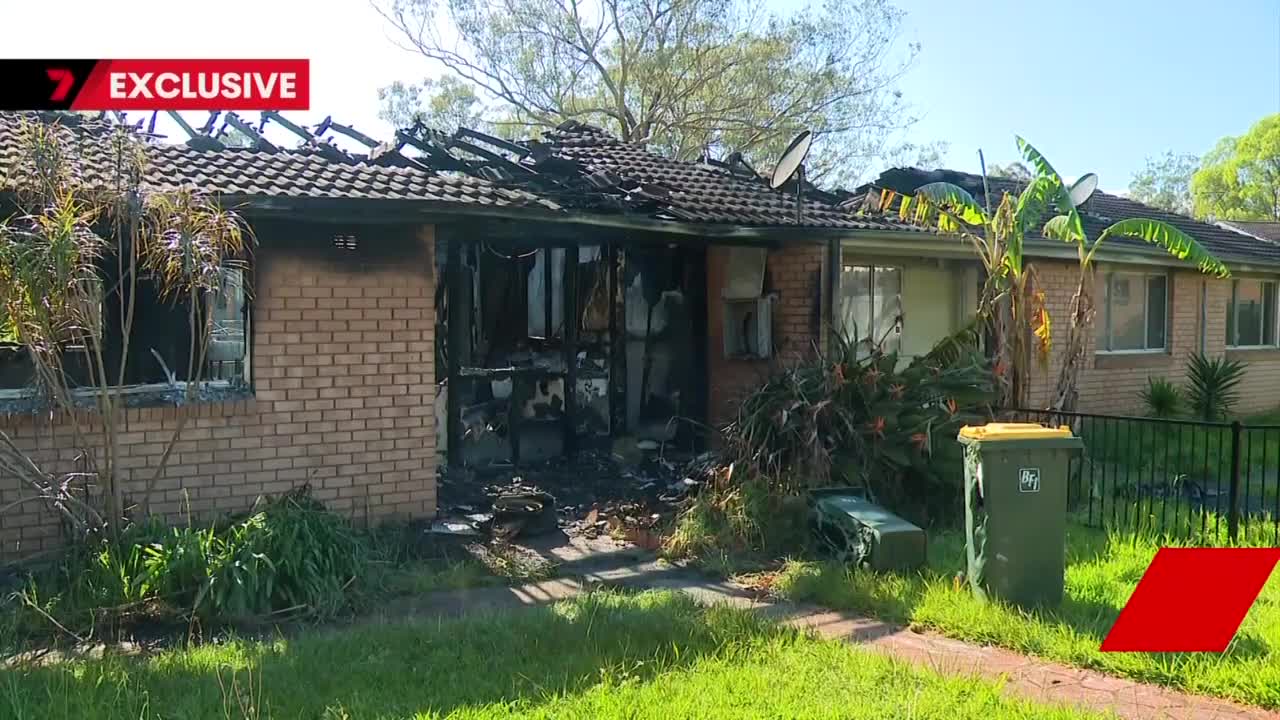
{"type": "Point", "coordinates": [863, 419]}
{"type": "Point", "coordinates": [1162, 398]}
{"type": "Point", "coordinates": [1212, 386]}
{"type": "Point", "coordinates": [288, 555]}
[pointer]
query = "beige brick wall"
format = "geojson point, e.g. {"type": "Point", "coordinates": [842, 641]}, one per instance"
{"type": "Point", "coordinates": [1111, 384]}
{"type": "Point", "coordinates": [794, 274]}
{"type": "Point", "coordinates": [343, 369]}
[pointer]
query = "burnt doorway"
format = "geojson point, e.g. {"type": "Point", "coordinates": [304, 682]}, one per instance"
{"type": "Point", "coordinates": [664, 341]}
{"type": "Point", "coordinates": [564, 347]}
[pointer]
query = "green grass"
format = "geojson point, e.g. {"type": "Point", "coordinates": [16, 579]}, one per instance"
{"type": "Point", "coordinates": [1102, 572]}
{"type": "Point", "coordinates": [655, 655]}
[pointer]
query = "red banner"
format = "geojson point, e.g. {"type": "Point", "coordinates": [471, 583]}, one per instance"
{"type": "Point", "coordinates": [1191, 600]}
{"type": "Point", "coordinates": [157, 84]}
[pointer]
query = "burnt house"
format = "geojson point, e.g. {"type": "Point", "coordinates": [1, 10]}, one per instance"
{"type": "Point", "coordinates": [436, 298]}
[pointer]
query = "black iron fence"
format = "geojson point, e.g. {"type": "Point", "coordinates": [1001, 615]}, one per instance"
{"type": "Point", "coordinates": [1181, 478]}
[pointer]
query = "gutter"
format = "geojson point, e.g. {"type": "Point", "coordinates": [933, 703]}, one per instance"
{"type": "Point", "coordinates": [880, 241]}
{"type": "Point", "coordinates": [380, 210]}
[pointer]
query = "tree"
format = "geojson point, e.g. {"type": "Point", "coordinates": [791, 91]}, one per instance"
{"type": "Point", "coordinates": [445, 104]}
{"type": "Point", "coordinates": [681, 75]}
{"type": "Point", "coordinates": [1239, 179]}
{"type": "Point", "coordinates": [1011, 304]}
{"type": "Point", "coordinates": [908, 154]}
{"type": "Point", "coordinates": [1013, 171]}
{"type": "Point", "coordinates": [72, 260]}
{"type": "Point", "coordinates": [1165, 182]}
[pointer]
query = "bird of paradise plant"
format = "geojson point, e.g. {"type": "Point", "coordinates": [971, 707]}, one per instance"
{"type": "Point", "coordinates": [1012, 305]}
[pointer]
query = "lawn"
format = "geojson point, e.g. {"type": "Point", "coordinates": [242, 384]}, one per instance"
{"type": "Point", "coordinates": [604, 655]}
{"type": "Point", "coordinates": [1102, 572]}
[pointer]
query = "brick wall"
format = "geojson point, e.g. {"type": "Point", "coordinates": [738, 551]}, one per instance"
{"type": "Point", "coordinates": [794, 274]}
{"type": "Point", "coordinates": [343, 370]}
{"type": "Point", "coordinates": [1110, 384]}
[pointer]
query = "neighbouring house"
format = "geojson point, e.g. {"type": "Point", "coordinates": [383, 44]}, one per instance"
{"type": "Point", "coordinates": [476, 301]}
{"type": "Point", "coordinates": [1152, 311]}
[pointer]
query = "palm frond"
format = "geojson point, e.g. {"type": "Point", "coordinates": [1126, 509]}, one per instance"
{"type": "Point", "coordinates": [1174, 241]}
{"type": "Point", "coordinates": [1058, 228]}
{"type": "Point", "coordinates": [953, 199]}
{"type": "Point", "coordinates": [1057, 189]}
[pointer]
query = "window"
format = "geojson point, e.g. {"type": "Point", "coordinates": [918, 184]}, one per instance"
{"type": "Point", "coordinates": [228, 336]}
{"type": "Point", "coordinates": [1133, 312]}
{"type": "Point", "coordinates": [871, 305]}
{"type": "Point", "coordinates": [160, 343]}
{"type": "Point", "coordinates": [1251, 314]}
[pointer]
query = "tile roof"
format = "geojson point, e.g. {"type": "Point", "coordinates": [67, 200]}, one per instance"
{"type": "Point", "coordinates": [1265, 230]}
{"type": "Point", "coordinates": [706, 192]}
{"type": "Point", "coordinates": [574, 167]}
{"type": "Point", "coordinates": [1103, 209]}
{"type": "Point", "coordinates": [258, 173]}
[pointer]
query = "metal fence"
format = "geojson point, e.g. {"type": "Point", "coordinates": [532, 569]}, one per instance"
{"type": "Point", "coordinates": [1180, 478]}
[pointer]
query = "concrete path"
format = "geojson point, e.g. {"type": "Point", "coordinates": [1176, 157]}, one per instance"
{"type": "Point", "coordinates": [587, 566]}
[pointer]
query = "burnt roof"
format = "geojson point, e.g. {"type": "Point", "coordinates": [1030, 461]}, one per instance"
{"type": "Point", "coordinates": [710, 191]}
{"type": "Point", "coordinates": [253, 172]}
{"type": "Point", "coordinates": [575, 167]}
{"type": "Point", "coordinates": [1101, 210]}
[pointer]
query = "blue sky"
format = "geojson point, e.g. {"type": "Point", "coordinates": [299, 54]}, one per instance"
{"type": "Point", "coordinates": [1098, 86]}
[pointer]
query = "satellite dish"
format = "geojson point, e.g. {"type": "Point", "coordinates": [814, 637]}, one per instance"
{"type": "Point", "coordinates": [792, 159]}
{"type": "Point", "coordinates": [1083, 189]}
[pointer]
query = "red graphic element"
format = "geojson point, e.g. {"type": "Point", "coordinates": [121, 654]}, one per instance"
{"type": "Point", "coordinates": [197, 85]}
{"type": "Point", "coordinates": [1191, 600]}
{"type": "Point", "coordinates": [65, 79]}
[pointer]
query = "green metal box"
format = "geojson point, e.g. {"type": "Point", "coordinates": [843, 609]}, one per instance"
{"type": "Point", "coordinates": [865, 533]}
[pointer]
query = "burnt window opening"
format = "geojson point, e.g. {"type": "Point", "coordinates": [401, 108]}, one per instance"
{"type": "Point", "coordinates": [160, 347]}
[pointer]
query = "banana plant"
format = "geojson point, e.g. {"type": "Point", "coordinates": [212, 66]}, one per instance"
{"type": "Point", "coordinates": [1011, 304]}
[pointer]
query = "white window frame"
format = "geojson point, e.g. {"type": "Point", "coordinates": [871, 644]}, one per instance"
{"type": "Point", "coordinates": [1234, 311]}
{"type": "Point", "coordinates": [1146, 310]}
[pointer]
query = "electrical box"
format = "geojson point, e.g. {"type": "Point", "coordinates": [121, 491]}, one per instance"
{"type": "Point", "coordinates": [748, 328]}
{"type": "Point", "coordinates": [861, 532]}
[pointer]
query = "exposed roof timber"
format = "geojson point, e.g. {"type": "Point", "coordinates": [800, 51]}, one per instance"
{"type": "Point", "coordinates": [210, 123]}
{"type": "Point", "coordinates": [287, 124]}
{"type": "Point", "coordinates": [495, 158]}
{"type": "Point", "coordinates": [436, 153]}
{"type": "Point", "coordinates": [496, 142]}
{"type": "Point", "coordinates": [329, 124]}
{"type": "Point", "coordinates": [314, 142]}
{"type": "Point", "coordinates": [260, 142]}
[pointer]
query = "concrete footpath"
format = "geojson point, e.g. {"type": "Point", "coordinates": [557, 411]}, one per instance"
{"type": "Point", "coordinates": [1025, 677]}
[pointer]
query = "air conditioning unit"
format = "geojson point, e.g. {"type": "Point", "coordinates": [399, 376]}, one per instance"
{"type": "Point", "coordinates": [748, 328]}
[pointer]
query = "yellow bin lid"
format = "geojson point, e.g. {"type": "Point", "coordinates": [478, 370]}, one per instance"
{"type": "Point", "coordinates": [1013, 431]}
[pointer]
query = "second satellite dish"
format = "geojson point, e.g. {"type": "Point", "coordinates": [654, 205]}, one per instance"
{"type": "Point", "coordinates": [792, 159]}
{"type": "Point", "coordinates": [1083, 189]}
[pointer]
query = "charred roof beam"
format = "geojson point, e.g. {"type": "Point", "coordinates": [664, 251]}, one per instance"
{"type": "Point", "coordinates": [260, 142]}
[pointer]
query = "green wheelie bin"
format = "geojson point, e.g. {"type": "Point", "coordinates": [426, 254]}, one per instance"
{"type": "Point", "coordinates": [1015, 477]}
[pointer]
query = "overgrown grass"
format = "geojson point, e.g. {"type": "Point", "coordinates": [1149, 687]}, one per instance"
{"type": "Point", "coordinates": [738, 528]}
{"type": "Point", "coordinates": [655, 655]}
{"type": "Point", "coordinates": [1102, 572]}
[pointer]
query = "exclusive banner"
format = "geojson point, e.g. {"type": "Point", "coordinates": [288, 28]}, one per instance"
{"type": "Point", "coordinates": [238, 84]}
